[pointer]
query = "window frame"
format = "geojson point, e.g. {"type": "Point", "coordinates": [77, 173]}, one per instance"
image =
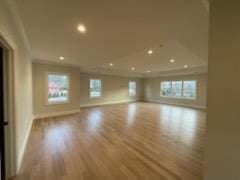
{"type": "Point", "coordinates": [47, 88]}
{"type": "Point", "coordinates": [101, 89]}
{"type": "Point", "coordinates": [196, 87]}
{"type": "Point", "coordinates": [182, 89]}
{"type": "Point", "coordinates": [135, 94]}
{"type": "Point", "coordinates": [170, 89]}
{"type": "Point", "coordinates": [171, 93]}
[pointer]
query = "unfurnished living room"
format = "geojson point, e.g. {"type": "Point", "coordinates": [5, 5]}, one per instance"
{"type": "Point", "coordinates": [115, 90]}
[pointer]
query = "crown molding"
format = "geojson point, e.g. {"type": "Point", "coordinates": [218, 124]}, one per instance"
{"type": "Point", "coordinates": [11, 4]}
{"type": "Point", "coordinates": [113, 72]}
{"type": "Point", "coordinates": [179, 72]}
{"type": "Point", "coordinates": [55, 63]}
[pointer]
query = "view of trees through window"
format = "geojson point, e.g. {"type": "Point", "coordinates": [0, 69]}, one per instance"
{"type": "Point", "coordinates": [166, 88]}
{"type": "Point", "coordinates": [57, 88]}
{"type": "Point", "coordinates": [132, 88]}
{"type": "Point", "coordinates": [95, 88]}
{"type": "Point", "coordinates": [176, 89]}
{"type": "Point", "coordinates": [179, 89]}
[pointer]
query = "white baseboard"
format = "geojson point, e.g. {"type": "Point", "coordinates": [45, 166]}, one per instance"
{"type": "Point", "coordinates": [176, 104]}
{"type": "Point", "coordinates": [108, 103]}
{"type": "Point", "coordinates": [24, 145]}
{"type": "Point", "coordinates": [54, 114]}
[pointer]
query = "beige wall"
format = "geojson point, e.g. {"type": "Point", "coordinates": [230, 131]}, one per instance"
{"type": "Point", "coordinates": [151, 90]}
{"type": "Point", "coordinates": [222, 154]}
{"type": "Point", "coordinates": [114, 89]}
{"type": "Point", "coordinates": [12, 32]}
{"type": "Point", "coordinates": [41, 108]}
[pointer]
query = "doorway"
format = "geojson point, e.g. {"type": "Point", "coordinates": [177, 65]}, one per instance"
{"type": "Point", "coordinates": [7, 131]}
{"type": "Point", "coordinates": [3, 121]}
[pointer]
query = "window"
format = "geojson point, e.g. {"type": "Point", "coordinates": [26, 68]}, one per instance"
{"type": "Point", "coordinates": [165, 88]}
{"type": "Point", "coordinates": [58, 88]}
{"type": "Point", "coordinates": [179, 89]}
{"type": "Point", "coordinates": [189, 89]}
{"type": "Point", "coordinates": [176, 89]}
{"type": "Point", "coordinates": [95, 88]}
{"type": "Point", "coordinates": [132, 88]}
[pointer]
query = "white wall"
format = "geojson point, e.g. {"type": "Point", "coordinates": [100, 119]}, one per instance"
{"type": "Point", "coordinates": [222, 154]}
{"type": "Point", "coordinates": [11, 30]}
{"type": "Point", "coordinates": [151, 90]}
{"type": "Point", "coordinates": [114, 89]}
{"type": "Point", "coordinates": [41, 108]}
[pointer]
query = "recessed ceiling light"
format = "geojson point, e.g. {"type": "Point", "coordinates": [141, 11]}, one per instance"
{"type": "Point", "coordinates": [185, 66]}
{"type": "Point", "coordinates": [150, 51]}
{"type": "Point", "coordinates": [110, 64]}
{"type": "Point", "coordinates": [133, 68]}
{"type": "Point", "coordinates": [172, 60]}
{"type": "Point", "coordinates": [148, 71]}
{"type": "Point", "coordinates": [81, 28]}
{"type": "Point", "coordinates": [61, 58]}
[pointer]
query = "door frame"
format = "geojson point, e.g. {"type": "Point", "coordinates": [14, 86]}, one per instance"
{"type": "Point", "coordinates": [9, 50]}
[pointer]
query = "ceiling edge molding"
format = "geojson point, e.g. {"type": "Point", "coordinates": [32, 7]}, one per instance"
{"type": "Point", "coordinates": [175, 74]}
{"type": "Point", "coordinates": [112, 73]}
{"type": "Point", "coordinates": [11, 4]}
{"type": "Point", "coordinates": [55, 63]}
{"type": "Point", "coordinates": [189, 71]}
{"type": "Point", "coordinates": [4, 35]}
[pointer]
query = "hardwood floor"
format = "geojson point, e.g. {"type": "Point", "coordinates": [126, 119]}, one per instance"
{"type": "Point", "coordinates": [126, 141]}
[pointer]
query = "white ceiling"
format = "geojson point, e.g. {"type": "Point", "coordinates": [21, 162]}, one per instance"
{"type": "Point", "coordinates": [120, 32]}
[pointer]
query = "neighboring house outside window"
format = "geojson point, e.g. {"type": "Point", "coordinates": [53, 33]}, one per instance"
{"type": "Point", "coordinates": [58, 88]}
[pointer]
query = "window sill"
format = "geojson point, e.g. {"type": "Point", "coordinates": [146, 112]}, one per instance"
{"type": "Point", "coordinates": [57, 103]}
{"type": "Point", "coordinates": [95, 97]}
{"type": "Point", "coordinates": [169, 97]}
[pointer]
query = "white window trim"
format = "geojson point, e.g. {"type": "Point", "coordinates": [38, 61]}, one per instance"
{"type": "Point", "coordinates": [182, 97]}
{"type": "Point", "coordinates": [132, 95]}
{"type": "Point", "coordinates": [46, 91]}
{"type": "Point", "coordinates": [92, 97]}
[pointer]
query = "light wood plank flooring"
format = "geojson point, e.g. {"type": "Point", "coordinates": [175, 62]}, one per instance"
{"type": "Point", "coordinates": [135, 141]}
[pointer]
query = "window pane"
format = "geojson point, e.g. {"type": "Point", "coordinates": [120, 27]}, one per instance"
{"type": "Point", "coordinates": [189, 89]}
{"type": "Point", "coordinates": [165, 88]}
{"type": "Point", "coordinates": [57, 88]}
{"type": "Point", "coordinates": [176, 88]}
{"type": "Point", "coordinates": [132, 88]}
{"type": "Point", "coordinates": [95, 88]}
{"type": "Point", "coordinates": [189, 85]}
{"type": "Point", "coordinates": [189, 93]}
